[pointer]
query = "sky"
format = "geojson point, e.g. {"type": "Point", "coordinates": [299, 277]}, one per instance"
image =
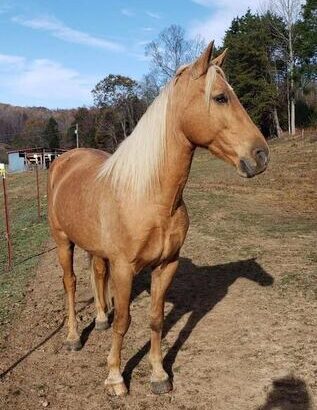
{"type": "Point", "coordinates": [53, 52]}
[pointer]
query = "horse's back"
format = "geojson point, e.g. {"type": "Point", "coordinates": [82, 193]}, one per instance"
{"type": "Point", "coordinates": [81, 158]}
{"type": "Point", "coordinates": [73, 192]}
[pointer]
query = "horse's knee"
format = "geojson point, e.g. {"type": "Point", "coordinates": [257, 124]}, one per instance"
{"type": "Point", "coordinates": [156, 323]}
{"type": "Point", "coordinates": [121, 323]}
{"type": "Point", "coordinates": [69, 281]}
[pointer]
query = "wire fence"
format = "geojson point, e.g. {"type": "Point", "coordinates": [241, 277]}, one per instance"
{"type": "Point", "coordinates": [24, 202]}
{"type": "Point", "coordinates": [26, 211]}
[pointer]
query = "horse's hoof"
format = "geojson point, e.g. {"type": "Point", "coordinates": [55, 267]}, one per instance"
{"type": "Point", "coordinates": [161, 387]}
{"type": "Point", "coordinates": [73, 345]}
{"type": "Point", "coordinates": [102, 325]}
{"type": "Point", "coordinates": [117, 389]}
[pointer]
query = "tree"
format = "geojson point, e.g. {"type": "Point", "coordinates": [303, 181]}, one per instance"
{"type": "Point", "coordinates": [250, 69]}
{"type": "Point", "coordinates": [149, 88]}
{"type": "Point", "coordinates": [86, 121]}
{"type": "Point", "coordinates": [51, 136]}
{"type": "Point", "coordinates": [106, 136]}
{"type": "Point", "coordinates": [123, 95]}
{"type": "Point", "coordinates": [307, 32]}
{"type": "Point", "coordinates": [289, 12]}
{"type": "Point", "coordinates": [32, 131]}
{"type": "Point", "coordinates": [169, 51]}
{"type": "Point", "coordinates": [306, 44]}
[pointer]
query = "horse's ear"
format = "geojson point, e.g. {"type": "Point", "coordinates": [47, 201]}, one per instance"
{"type": "Point", "coordinates": [201, 65]}
{"type": "Point", "coordinates": [220, 59]}
{"type": "Point", "coordinates": [180, 71]}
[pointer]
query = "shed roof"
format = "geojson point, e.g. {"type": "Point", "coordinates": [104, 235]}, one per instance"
{"type": "Point", "coordinates": [35, 150]}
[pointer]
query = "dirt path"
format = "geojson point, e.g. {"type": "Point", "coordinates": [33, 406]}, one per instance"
{"type": "Point", "coordinates": [241, 315]}
{"type": "Point", "coordinates": [232, 343]}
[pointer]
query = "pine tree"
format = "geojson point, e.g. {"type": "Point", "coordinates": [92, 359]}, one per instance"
{"type": "Point", "coordinates": [51, 136]}
{"type": "Point", "coordinates": [249, 68]}
{"type": "Point", "coordinates": [306, 45]}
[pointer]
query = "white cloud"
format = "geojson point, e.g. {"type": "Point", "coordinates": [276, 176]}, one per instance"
{"type": "Point", "coordinates": [63, 32]}
{"type": "Point", "coordinates": [221, 15]}
{"type": "Point", "coordinates": [206, 3]}
{"type": "Point", "coordinates": [127, 12]}
{"type": "Point", "coordinates": [143, 43]}
{"type": "Point", "coordinates": [153, 15]}
{"type": "Point", "coordinates": [43, 82]}
{"type": "Point", "coordinates": [147, 28]}
{"type": "Point", "coordinates": [8, 60]}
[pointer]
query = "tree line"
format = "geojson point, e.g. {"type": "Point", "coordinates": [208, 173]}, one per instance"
{"type": "Point", "coordinates": [271, 64]}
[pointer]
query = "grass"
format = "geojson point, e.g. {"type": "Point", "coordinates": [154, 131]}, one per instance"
{"type": "Point", "coordinates": [271, 217]}
{"type": "Point", "coordinates": [28, 237]}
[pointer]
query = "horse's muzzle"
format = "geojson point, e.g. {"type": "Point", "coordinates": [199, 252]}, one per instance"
{"type": "Point", "coordinates": [248, 168]}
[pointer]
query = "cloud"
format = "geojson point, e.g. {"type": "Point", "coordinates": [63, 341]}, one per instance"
{"type": "Point", "coordinates": [206, 3]}
{"type": "Point", "coordinates": [43, 82]}
{"type": "Point", "coordinates": [65, 33]}
{"type": "Point", "coordinates": [127, 12]}
{"type": "Point", "coordinates": [221, 14]}
{"type": "Point", "coordinates": [7, 60]}
{"type": "Point", "coordinates": [153, 15]}
{"type": "Point", "coordinates": [147, 28]}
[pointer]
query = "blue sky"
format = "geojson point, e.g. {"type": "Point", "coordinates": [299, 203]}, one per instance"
{"type": "Point", "coordinates": [53, 52]}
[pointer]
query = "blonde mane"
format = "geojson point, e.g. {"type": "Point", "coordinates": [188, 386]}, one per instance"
{"type": "Point", "coordinates": [136, 165]}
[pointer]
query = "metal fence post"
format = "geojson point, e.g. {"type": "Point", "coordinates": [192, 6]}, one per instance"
{"type": "Point", "coordinates": [38, 192]}
{"type": "Point", "coordinates": [7, 221]}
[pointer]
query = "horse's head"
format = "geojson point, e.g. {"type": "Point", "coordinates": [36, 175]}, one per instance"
{"type": "Point", "coordinates": [211, 116]}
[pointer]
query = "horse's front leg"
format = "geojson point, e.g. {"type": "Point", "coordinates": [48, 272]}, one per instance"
{"type": "Point", "coordinates": [122, 277]}
{"type": "Point", "coordinates": [161, 279]}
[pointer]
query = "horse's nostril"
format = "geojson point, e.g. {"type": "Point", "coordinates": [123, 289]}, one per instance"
{"type": "Point", "coordinates": [247, 168]}
{"type": "Point", "coordinates": [261, 156]}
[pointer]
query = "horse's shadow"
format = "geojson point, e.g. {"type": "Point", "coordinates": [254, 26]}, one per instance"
{"type": "Point", "coordinates": [288, 393]}
{"type": "Point", "coordinates": [195, 290]}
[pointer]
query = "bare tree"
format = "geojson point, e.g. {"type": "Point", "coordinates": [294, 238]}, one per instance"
{"type": "Point", "coordinates": [170, 50]}
{"type": "Point", "coordinates": [289, 12]}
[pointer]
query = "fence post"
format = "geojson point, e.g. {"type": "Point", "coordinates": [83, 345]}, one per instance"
{"type": "Point", "coordinates": [6, 215]}
{"type": "Point", "coordinates": [38, 193]}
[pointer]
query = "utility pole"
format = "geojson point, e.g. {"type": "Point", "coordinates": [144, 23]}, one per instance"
{"type": "Point", "coordinates": [76, 132]}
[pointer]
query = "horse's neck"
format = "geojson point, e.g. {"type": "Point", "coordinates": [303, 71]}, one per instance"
{"type": "Point", "coordinates": [174, 175]}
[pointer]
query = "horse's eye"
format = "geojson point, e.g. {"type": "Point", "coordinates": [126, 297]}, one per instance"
{"type": "Point", "coordinates": [221, 99]}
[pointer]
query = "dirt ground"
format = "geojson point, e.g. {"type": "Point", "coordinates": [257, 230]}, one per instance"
{"type": "Point", "coordinates": [241, 315]}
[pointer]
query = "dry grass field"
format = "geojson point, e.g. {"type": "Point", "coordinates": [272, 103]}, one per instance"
{"type": "Point", "coordinates": [241, 316]}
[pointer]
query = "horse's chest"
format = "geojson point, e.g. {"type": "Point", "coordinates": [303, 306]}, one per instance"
{"type": "Point", "coordinates": [175, 235]}
{"type": "Point", "coordinates": [164, 241]}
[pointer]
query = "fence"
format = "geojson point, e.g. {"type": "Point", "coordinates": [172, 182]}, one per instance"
{"type": "Point", "coordinates": [24, 210]}
{"type": "Point", "coordinates": [24, 239]}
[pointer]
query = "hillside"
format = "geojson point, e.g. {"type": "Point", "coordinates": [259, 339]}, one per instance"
{"type": "Point", "coordinates": [15, 120]}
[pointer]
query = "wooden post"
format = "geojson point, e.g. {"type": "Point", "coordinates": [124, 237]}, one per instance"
{"type": "Point", "coordinates": [38, 192]}
{"type": "Point", "coordinates": [6, 214]}
{"type": "Point", "coordinates": [43, 163]}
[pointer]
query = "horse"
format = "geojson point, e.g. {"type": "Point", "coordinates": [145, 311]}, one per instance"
{"type": "Point", "coordinates": [127, 210]}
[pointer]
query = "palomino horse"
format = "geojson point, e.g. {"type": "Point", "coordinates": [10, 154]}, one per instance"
{"type": "Point", "coordinates": [127, 210]}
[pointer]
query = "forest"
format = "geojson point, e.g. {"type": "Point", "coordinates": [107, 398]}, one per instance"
{"type": "Point", "coordinates": [271, 64]}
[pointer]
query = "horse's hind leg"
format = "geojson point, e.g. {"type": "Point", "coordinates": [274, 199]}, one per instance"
{"type": "Point", "coordinates": [65, 254]}
{"type": "Point", "coordinates": [99, 281]}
